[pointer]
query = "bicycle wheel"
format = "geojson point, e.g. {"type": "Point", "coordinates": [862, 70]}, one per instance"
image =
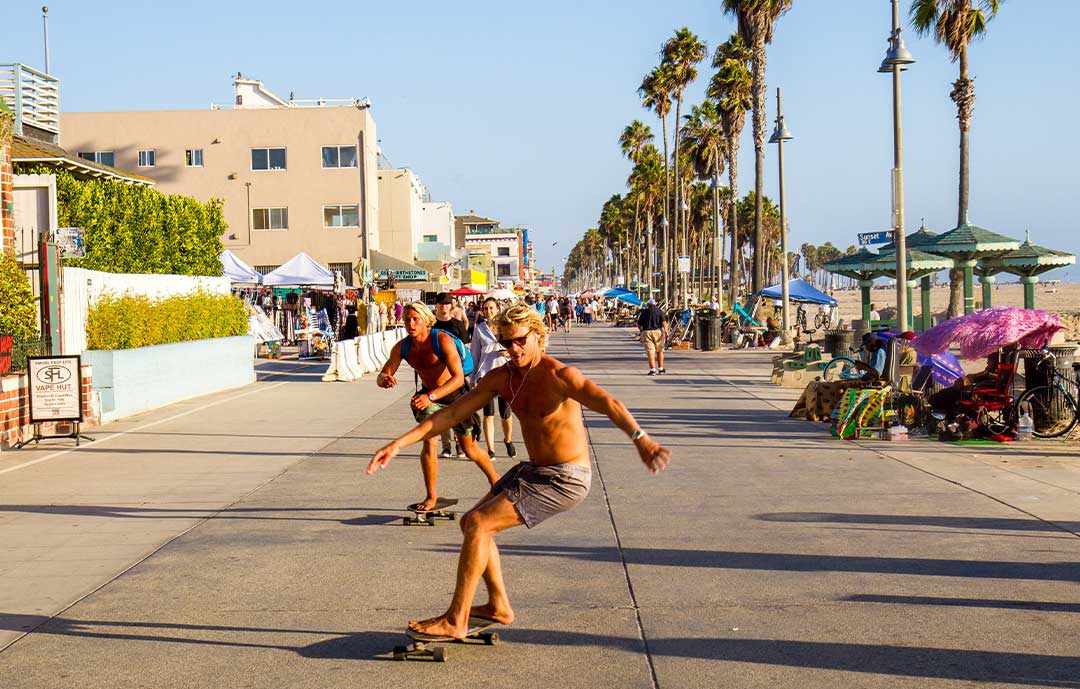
{"type": "Point", "coordinates": [821, 320]}
{"type": "Point", "coordinates": [1053, 410]}
{"type": "Point", "coordinates": [838, 368]}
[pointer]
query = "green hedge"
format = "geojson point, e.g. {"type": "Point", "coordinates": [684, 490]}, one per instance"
{"type": "Point", "coordinates": [137, 229]}
{"type": "Point", "coordinates": [18, 316]}
{"type": "Point", "coordinates": [130, 321]}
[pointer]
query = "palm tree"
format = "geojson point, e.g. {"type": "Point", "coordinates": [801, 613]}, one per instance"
{"type": "Point", "coordinates": [633, 141]}
{"type": "Point", "coordinates": [756, 20]}
{"type": "Point", "coordinates": [682, 52]}
{"type": "Point", "coordinates": [646, 184]}
{"type": "Point", "coordinates": [707, 143]}
{"type": "Point", "coordinates": [955, 23]}
{"type": "Point", "coordinates": [731, 88]}
{"type": "Point", "coordinates": [655, 92]}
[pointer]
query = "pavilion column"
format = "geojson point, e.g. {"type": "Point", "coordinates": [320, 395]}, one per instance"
{"type": "Point", "coordinates": [1029, 290]}
{"type": "Point", "coordinates": [987, 282]}
{"type": "Point", "coordinates": [864, 288]}
{"type": "Point", "coordinates": [927, 314]}
{"type": "Point", "coordinates": [969, 284]}
{"type": "Point", "coordinates": [910, 325]}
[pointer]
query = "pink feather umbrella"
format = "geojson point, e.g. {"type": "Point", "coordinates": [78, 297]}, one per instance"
{"type": "Point", "coordinates": [984, 332]}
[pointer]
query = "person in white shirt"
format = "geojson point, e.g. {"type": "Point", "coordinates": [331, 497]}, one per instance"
{"type": "Point", "coordinates": [874, 315]}
{"type": "Point", "coordinates": [488, 355]}
{"type": "Point", "coordinates": [597, 310]}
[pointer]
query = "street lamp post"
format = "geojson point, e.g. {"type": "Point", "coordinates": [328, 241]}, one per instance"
{"type": "Point", "coordinates": [895, 59]}
{"type": "Point", "coordinates": [683, 281]}
{"type": "Point", "coordinates": [780, 135]}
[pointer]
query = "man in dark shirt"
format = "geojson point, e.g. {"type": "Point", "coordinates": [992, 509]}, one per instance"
{"type": "Point", "coordinates": [654, 329]}
{"type": "Point", "coordinates": [444, 304]}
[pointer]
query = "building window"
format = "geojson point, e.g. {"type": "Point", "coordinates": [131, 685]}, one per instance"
{"type": "Point", "coordinates": [268, 159]}
{"type": "Point", "coordinates": [148, 158]}
{"type": "Point", "coordinates": [431, 238]}
{"type": "Point", "coordinates": [101, 157]}
{"type": "Point", "coordinates": [270, 218]}
{"type": "Point", "coordinates": [504, 251]}
{"type": "Point", "coordinates": [265, 269]}
{"type": "Point", "coordinates": [193, 157]}
{"type": "Point", "coordinates": [341, 216]}
{"type": "Point", "coordinates": [345, 269]}
{"type": "Point", "coordinates": [338, 156]}
{"type": "Point", "coordinates": [503, 270]}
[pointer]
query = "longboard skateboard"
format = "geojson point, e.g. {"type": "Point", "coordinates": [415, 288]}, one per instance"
{"type": "Point", "coordinates": [422, 645]}
{"type": "Point", "coordinates": [428, 517]}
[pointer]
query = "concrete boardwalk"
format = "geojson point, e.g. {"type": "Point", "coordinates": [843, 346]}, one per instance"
{"type": "Point", "coordinates": [232, 541]}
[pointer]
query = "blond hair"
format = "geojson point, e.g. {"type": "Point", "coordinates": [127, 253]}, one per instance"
{"type": "Point", "coordinates": [421, 310]}
{"type": "Point", "coordinates": [522, 315]}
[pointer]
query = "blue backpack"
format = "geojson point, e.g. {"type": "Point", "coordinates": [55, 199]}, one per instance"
{"type": "Point", "coordinates": [467, 363]}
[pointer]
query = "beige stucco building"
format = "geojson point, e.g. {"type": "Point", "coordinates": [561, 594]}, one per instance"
{"type": "Point", "coordinates": [294, 175]}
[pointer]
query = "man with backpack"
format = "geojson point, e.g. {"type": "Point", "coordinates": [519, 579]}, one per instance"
{"type": "Point", "coordinates": [442, 362]}
{"type": "Point", "coordinates": [446, 320]}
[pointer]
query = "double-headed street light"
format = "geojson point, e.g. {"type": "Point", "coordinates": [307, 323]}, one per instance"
{"type": "Point", "coordinates": [895, 58]}
{"type": "Point", "coordinates": [779, 136]}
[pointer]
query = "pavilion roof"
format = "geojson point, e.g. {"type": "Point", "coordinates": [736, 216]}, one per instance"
{"type": "Point", "coordinates": [967, 241]}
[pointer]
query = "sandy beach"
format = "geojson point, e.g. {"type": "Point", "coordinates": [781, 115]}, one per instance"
{"type": "Point", "coordinates": [1062, 299]}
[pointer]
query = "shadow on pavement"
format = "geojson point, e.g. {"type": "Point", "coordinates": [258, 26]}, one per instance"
{"type": "Point", "coordinates": [1039, 606]}
{"type": "Point", "coordinates": [797, 562]}
{"type": "Point", "coordinates": [902, 661]}
{"type": "Point", "coordinates": [993, 523]}
{"type": "Point", "coordinates": [251, 513]}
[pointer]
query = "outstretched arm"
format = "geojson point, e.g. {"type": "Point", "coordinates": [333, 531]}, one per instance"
{"type": "Point", "coordinates": [438, 423]}
{"type": "Point", "coordinates": [591, 395]}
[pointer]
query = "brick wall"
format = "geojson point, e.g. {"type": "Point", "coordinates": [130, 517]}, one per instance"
{"type": "Point", "coordinates": [7, 196]}
{"type": "Point", "coordinates": [15, 411]}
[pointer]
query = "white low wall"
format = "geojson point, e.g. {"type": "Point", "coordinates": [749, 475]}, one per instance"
{"type": "Point", "coordinates": [135, 380]}
{"type": "Point", "coordinates": [82, 288]}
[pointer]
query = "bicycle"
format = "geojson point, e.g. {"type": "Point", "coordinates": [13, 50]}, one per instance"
{"type": "Point", "coordinates": [841, 368]}
{"type": "Point", "coordinates": [822, 319]}
{"type": "Point", "coordinates": [1053, 406]}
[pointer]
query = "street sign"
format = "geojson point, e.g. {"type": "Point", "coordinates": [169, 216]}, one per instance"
{"type": "Point", "coordinates": [684, 264]}
{"type": "Point", "coordinates": [879, 237]}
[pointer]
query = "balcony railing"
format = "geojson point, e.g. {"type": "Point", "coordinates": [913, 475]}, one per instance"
{"type": "Point", "coordinates": [33, 96]}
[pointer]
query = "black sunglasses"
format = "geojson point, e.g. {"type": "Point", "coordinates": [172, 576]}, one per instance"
{"type": "Point", "coordinates": [519, 341]}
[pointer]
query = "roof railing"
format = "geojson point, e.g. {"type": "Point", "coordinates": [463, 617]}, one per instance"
{"type": "Point", "coordinates": [33, 96]}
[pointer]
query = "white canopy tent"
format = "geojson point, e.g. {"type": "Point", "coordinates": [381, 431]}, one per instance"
{"type": "Point", "coordinates": [237, 271]}
{"type": "Point", "coordinates": [300, 271]}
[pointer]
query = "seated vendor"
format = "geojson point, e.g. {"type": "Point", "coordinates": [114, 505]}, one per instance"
{"type": "Point", "coordinates": [947, 401]}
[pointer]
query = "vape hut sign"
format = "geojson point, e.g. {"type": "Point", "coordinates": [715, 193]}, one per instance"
{"type": "Point", "coordinates": [55, 389]}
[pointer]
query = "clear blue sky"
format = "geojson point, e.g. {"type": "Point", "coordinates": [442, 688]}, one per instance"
{"type": "Point", "coordinates": [514, 109]}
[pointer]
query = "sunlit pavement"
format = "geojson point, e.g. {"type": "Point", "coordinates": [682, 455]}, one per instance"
{"type": "Point", "coordinates": [233, 541]}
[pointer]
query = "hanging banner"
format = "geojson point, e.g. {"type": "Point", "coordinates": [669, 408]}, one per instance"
{"type": "Point", "coordinates": [55, 388]}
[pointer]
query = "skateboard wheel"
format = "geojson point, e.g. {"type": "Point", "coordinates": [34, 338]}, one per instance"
{"type": "Point", "coordinates": [430, 522]}
{"type": "Point", "coordinates": [452, 516]}
{"type": "Point", "coordinates": [491, 639]}
{"type": "Point", "coordinates": [439, 654]}
{"type": "Point", "coordinates": [407, 521]}
{"type": "Point", "coordinates": [399, 652]}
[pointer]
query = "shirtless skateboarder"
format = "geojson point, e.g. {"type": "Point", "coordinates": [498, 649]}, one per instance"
{"type": "Point", "coordinates": [547, 396]}
{"type": "Point", "coordinates": [443, 383]}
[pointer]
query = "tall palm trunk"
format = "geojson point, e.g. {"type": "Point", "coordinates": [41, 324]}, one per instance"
{"type": "Point", "coordinates": [733, 222]}
{"type": "Point", "coordinates": [667, 199]}
{"type": "Point", "coordinates": [758, 85]}
{"type": "Point", "coordinates": [718, 233]}
{"type": "Point", "coordinates": [680, 244]}
{"type": "Point", "coordinates": [963, 94]}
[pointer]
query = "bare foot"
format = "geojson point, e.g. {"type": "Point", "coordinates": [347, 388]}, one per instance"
{"type": "Point", "coordinates": [502, 615]}
{"type": "Point", "coordinates": [428, 504]}
{"type": "Point", "coordinates": [438, 626]}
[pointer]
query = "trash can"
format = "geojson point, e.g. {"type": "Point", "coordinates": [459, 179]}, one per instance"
{"type": "Point", "coordinates": [703, 330]}
{"type": "Point", "coordinates": [715, 332]}
{"type": "Point", "coordinates": [838, 342]}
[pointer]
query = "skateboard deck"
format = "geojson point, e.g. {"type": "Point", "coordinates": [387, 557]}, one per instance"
{"type": "Point", "coordinates": [422, 645]}
{"type": "Point", "coordinates": [428, 517]}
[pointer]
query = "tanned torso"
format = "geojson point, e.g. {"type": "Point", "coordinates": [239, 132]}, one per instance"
{"type": "Point", "coordinates": [550, 421]}
{"type": "Point", "coordinates": [432, 371]}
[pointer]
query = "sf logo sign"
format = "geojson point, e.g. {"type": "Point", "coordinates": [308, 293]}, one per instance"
{"type": "Point", "coordinates": [52, 375]}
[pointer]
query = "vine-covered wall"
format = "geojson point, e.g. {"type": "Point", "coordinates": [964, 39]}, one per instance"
{"type": "Point", "coordinates": [137, 229]}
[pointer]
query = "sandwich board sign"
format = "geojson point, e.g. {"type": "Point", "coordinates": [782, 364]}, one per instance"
{"type": "Point", "coordinates": [55, 394]}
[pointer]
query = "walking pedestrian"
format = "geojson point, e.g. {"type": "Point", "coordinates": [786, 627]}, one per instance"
{"type": "Point", "coordinates": [654, 330]}
{"type": "Point", "coordinates": [489, 355]}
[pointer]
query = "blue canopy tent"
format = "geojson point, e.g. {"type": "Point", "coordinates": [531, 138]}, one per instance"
{"type": "Point", "coordinates": [628, 297]}
{"type": "Point", "coordinates": [617, 292]}
{"type": "Point", "coordinates": [799, 290]}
